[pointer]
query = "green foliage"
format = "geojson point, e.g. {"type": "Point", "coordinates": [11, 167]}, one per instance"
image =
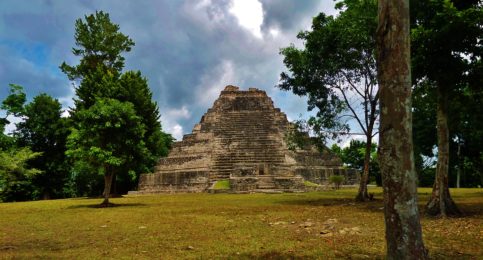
{"type": "Point", "coordinates": [100, 45]}
{"type": "Point", "coordinates": [100, 70]}
{"type": "Point", "coordinates": [446, 55]}
{"type": "Point", "coordinates": [6, 141]}
{"type": "Point", "coordinates": [310, 184]}
{"type": "Point", "coordinates": [336, 70]}
{"type": "Point", "coordinates": [445, 41]}
{"type": "Point", "coordinates": [135, 89]}
{"type": "Point", "coordinates": [15, 101]}
{"type": "Point", "coordinates": [336, 66]}
{"type": "Point", "coordinates": [466, 125]}
{"type": "Point", "coordinates": [44, 130]}
{"type": "Point", "coordinates": [108, 136]}
{"type": "Point", "coordinates": [13, 105]}
{"type": "Point", "coordinates": [83, 181]}
{"type": "Point", "coordinates": [353, 157]}
{"type": "Point", "coordinates": [15, 174]}
{"type": "Point", "coordinates": [295, 137]}
{"type": "Point", "coordinates": [337, 180]}
{"type": "Point", "coordinates": [222, 185]}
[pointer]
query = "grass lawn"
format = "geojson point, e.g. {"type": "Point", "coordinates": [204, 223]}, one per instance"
{"type": "Point", "coordinates": [323, 225]}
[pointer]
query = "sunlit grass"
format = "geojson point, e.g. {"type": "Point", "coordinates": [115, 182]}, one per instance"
{"type": "Point", "coordinates": [207, 226]}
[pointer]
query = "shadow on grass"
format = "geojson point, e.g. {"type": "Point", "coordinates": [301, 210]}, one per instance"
{"type": "Point", "coordinates": [444, 254]}
{"type": "Point", "coordinates": [111, 205]}
{"type": "Point", "coordinates": [469, 209]}
{"type": "Point", "coordinates": [296, 255]}
{"type": "Point", "coordinates": [372, 205]}
{"type": "Point", "coordinates": [269, 255]}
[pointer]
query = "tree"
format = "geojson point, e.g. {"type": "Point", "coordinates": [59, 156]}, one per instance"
{"type": "Point", "coordinates": [134, 89]}
{"type": "Point", "coordinates": [403, 229]}
{"type": "Point", "coordinates": [45, 131]}
{"type": "Point", "coordinates": [13, 105]}
{"type": "Point", "coordinates": [354, 155]}
{"type": "Point", "coordinates": [109, 135]}
{"type": "Point", "coordinates": [446, 52]}
{"type": "Point", "coordinates": [424, 132]}
{"type": "Point", "coordinates": [337, 71]}
{"type": "Point", "coordinates": [466, 126]}
{"type": "Point", "coordinates": [15, 174]}
{"type": "Point", "coordinates": [100, 48]}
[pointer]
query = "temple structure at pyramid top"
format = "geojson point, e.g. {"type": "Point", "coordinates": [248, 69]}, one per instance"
{"type": "Point", "coordinates": [243, 139]}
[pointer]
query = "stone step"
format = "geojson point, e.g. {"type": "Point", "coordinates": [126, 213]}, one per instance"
{"type": "Point", "coordinates": [266, 187]}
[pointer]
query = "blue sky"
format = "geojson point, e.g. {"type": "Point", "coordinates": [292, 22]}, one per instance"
{"type": "Point", "coordinates": [188, 50]}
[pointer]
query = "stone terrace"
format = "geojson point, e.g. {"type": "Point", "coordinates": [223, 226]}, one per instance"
{"type": "Point", "coordinates": [242, 139]}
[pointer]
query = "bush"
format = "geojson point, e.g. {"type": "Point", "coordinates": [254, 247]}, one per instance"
{"type": "Point", "coordinates": [310, 184]}
{"type": "Point", "coordinates": [222, 185]}
{"type": "Point", "coordinates": [337, 180]}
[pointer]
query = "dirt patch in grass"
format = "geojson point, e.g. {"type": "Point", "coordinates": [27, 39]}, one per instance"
{"type": "Point", "coordinates": [320, 225]}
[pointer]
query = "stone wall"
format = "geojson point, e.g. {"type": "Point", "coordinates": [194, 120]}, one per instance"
{"type": "Point", "coordinates": [194, 181]}
{"type": "Point", "coordinates": [321, 175]}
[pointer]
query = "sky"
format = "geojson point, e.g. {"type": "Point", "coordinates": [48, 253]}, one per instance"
{"type": "Point", "coordinates": [189, 50]}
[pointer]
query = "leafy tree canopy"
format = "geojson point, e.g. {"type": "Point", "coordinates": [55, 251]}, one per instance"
{"type": "Point", "coordinates": [99, 45]}
{"type": "Point", "coordinates": [15, 174]}
{"type": "Point", "coordinates": [44, 130]}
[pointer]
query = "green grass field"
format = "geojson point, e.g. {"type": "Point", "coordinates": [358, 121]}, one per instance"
{"type": "Point", "coordinates": [321, 225]}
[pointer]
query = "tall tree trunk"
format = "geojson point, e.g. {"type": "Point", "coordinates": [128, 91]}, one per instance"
{"type": "Point", "coordinates": [107, 188]}
{"type": "Point", "coordinates": [441, 202]}
{"type": "Point", "coordinates": [362, 195]}
{"type": "Point", "coordinates": [396, 158]}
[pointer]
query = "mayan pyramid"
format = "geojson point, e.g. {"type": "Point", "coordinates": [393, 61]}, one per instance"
{"type": "Point", "coordinates": [242, 138]}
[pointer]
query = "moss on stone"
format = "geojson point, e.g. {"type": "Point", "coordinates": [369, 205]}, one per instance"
{"type": "Point", "coordinates": [222, 185]}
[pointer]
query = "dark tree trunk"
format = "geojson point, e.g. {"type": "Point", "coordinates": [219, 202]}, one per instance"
{"type": "Point", "coordinates": [362, 195]}
{"type": "Point", "coordinates": [46, 195]}
{"type": "Point", "coordinates": [396, 158]}
{"type": "Point", "coordinates": [114, 187]}
{"type": "Point", "coordinates": [441, 203]}
{"type": "Point", "coordinates": [108, 176]}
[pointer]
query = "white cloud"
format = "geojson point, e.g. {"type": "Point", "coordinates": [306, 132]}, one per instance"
{"type": "Point", "coordinates": [214, 82]}
{"type": "Point", "coordinates": [274, 32]}
{"type": "Point", "coordinates": [170, 121]}
{"type": "Point", "coordinates": [179, 113]}
{"type": "Point", "coordinates": [11, 127]}
{"type": "Point", "coordinates": [177, 132]}
{"type": "Point", "coordinates": [249, 14]}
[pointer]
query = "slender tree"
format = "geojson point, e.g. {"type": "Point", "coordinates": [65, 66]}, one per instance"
{"type": "Point", "coordinates": [337, 71]}
{"type": "Point", "coordinates": [396, 160]}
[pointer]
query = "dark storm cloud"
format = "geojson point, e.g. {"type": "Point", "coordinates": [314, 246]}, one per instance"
{"type": "Point", "coordinates": [286, 14]}
{"type": "Point", "coordinates": [188, 50]}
